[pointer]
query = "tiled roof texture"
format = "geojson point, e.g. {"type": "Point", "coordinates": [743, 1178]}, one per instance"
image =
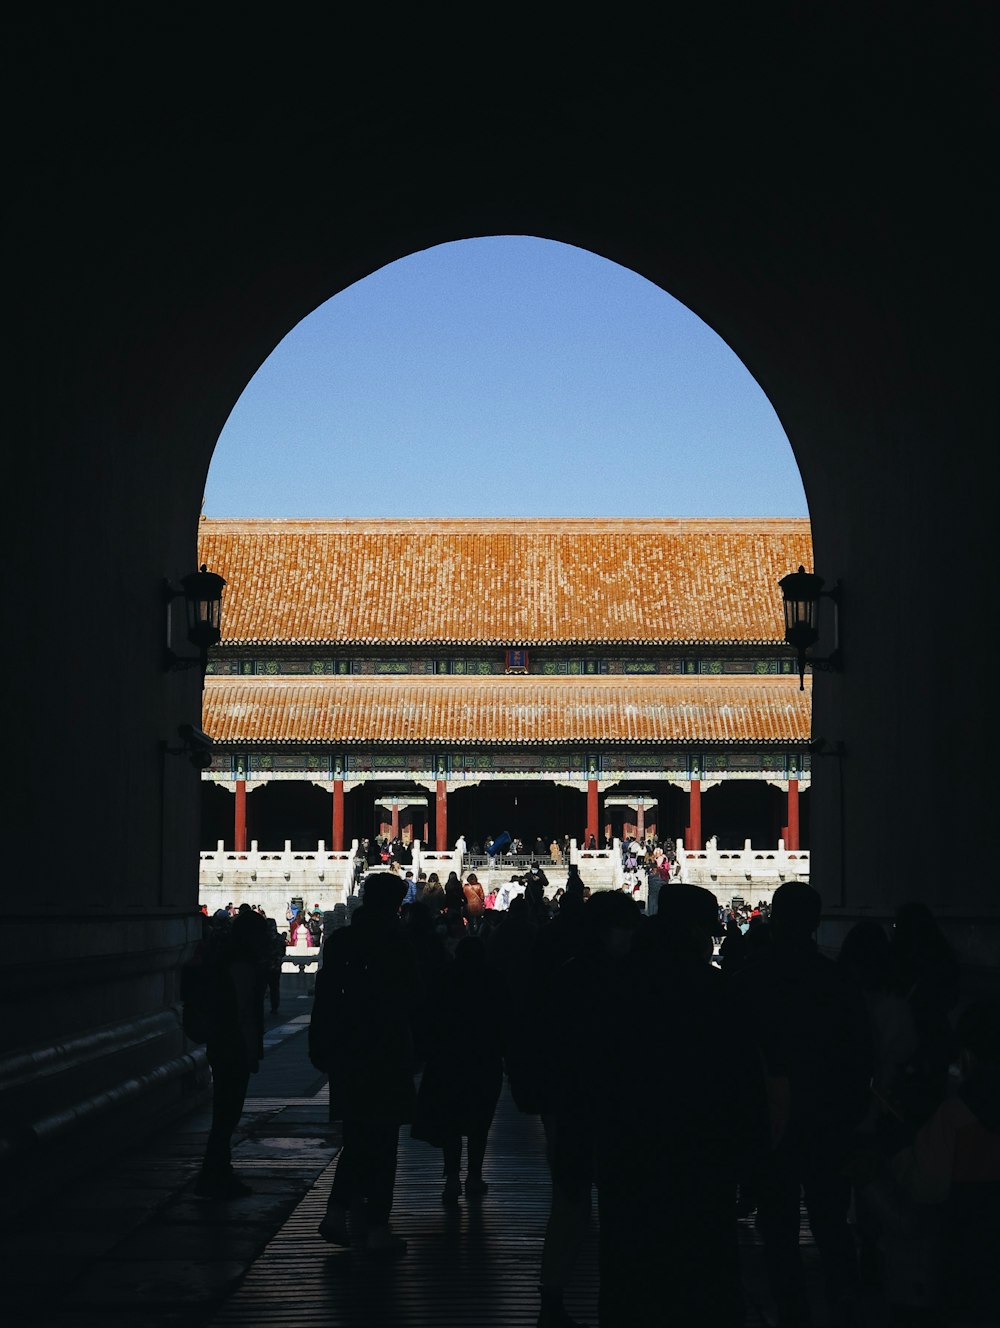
{"type": "Point", "coordinates": [506, 711]}
{"type": "Point", "coordinates": [503, 581]}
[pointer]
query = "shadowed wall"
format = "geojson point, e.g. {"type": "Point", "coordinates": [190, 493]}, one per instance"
{"type": "Point", "coordinates": [812, 190]}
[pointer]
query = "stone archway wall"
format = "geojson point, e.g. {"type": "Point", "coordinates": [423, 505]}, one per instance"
{"type": "Point", "coordinates": [809, 191]}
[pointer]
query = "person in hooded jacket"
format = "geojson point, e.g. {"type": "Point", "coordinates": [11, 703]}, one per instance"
{"type": "Point", "coordinates": [361, 1036]}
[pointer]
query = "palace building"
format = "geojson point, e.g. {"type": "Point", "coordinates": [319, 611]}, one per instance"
{"type": "Point", "coordinates": [555, 677]}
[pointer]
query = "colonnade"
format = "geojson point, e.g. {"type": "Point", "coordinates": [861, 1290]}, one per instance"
{"type": "Point", "coordinates": [692, 833]}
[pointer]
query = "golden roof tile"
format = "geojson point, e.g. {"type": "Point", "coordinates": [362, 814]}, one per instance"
{"type": "Point", "coordinates": [498, 581]}
{"type": "Point", "coordinates": [512, 711]}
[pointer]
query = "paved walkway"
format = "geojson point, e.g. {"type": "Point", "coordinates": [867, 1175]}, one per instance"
{"type": "Point", "coordinates": [134, 1248]}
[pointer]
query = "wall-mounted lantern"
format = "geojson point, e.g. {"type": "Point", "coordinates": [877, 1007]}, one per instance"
{"type": "Point", "coordinates": [802, 592]}
{"type": "Point", "coordinates": [202, 595]}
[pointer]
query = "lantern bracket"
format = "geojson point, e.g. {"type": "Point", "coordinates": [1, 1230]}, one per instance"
{"type": "Point", "coordinates": [801, 592]}
{"type": "Point", "coordinates": [201, 592]}
{"type": "Point", "coordinates": [196, 745]}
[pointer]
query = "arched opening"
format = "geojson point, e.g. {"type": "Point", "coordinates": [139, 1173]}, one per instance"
{"type": "Point", "coordinates": [541, 354]}
{"type": "Point", "coordinates": [506, 375]}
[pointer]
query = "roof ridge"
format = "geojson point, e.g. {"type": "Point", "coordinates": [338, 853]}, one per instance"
{"type": "Point", "coordinates": [495, 524]}
{"type": "Point", "coordinates": [442, 680]}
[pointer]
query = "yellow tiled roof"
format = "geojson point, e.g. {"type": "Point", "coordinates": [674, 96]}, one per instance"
{"type": "Point", "coordinates": [510, 710]}
{"type": "Point", "coordinates": [503, 581]}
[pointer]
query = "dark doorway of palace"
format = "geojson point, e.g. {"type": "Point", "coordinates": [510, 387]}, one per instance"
{"type": "Point", "coordinates": [526, 809]}
{"type": "Point", "coordinates": [279, 811]}
{"type": "Point", "coordinates": [218, 817]}
{"type": "Point", "coordinates": [664, 816]}
{"type": "Point", "coordinates": [735, 810]}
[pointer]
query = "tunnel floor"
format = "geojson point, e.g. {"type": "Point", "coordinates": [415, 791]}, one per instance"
{"type": "Point", "coordinates": [132, 1247]}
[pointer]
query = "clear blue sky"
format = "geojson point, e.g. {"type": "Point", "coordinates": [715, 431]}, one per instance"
{"type": "Point", "coordinates": [507, 376]}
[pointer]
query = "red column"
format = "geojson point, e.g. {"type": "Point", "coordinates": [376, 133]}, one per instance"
{"type": "Point", "coordinates": [591, 811]}
{"type": "Point", "coordinates": [441, 817]}
{"type": "Point", "coordinates": [692, 840]}
{"type": "Point", "coordinates": [423, 837]}
{"type": "Point", "coordinates": [640, 822]}
{"type": "Point", "coordinates": [240, 828]}
{"type": "Point", "coordinates": [338, 816]}
{"type": "Point", "coordinates": [395, 820]}
{"type": "Point", "coordinates": [792, 837]}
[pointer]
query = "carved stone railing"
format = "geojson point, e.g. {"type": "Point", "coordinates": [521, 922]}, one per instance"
{"type": "Point", "coordinates": [320, 878]}
{"type": "Point", "coordinates": [753, 873]}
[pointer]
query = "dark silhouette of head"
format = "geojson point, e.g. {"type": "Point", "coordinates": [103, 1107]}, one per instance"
{"type": "Point", "coordinates": [470, 953]}
{"type": "Point", "coordinates": [610, 921]}
{"type": "Point", "coordinates": [795, 913]}
{"type": "Point", "coordinates": [865, 954]}
{"type": "Point", "coordinates": [384, 892]}
{"type": "Point", "coordinates": [249, 933]}
{"type": "Point", "coordinates": [687, 917]}
{"type": "Point", "coordinates": [917, 939]}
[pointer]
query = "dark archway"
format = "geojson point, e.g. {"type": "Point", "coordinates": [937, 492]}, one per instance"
{"type": "Point", "coordinates": [811, 187]}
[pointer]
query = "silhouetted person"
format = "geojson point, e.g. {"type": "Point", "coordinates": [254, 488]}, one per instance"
{"type": "Point", "coordinates": [508, 949]}
{"type": "Point", "coordinates": [235, 960]}
{"type": "Point", "coordinates": [534, 897]}
{"type": "Point", "coordinates": [732, 951]}
{"type": "Point", "coordinates": [463, 1070]}
{"type": "Point", "coordinates": [677, 1111]}
{"type": "Point", "coordinates": [431, 955]}
{"type": "Point", "coordinates": [813, 1030]}
{"type": "Point", "coordinates": [574, 883]}
{"type": "Point", "coordinates": [554, 1074]}
{"type": "Point", "coordinates": [454, 914]}
{"type": "Point", "coordinates": [277, 944]}
{"type": "Point", "coordinates": [925, 973]}
{"type": "Point", "coordinates": [936, 1199]}
{"type": "Point", "coordinates": [865, 955]}
{"type": "Point", "coordinates": [361, 1036]}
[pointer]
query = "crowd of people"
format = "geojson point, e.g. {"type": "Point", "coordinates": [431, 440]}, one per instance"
{"type": "Point", "coordinates": [304, 927]}
{"type": "Point", "coordinates": [395, 851]}
{"type": "Point", "coordinates": [456, 908]}
{"type": "Point", "coordinates": [691, 1069]}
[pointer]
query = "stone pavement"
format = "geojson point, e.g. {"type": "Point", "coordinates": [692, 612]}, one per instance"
{"type": "Point", "coordinates": [134, 1248]}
